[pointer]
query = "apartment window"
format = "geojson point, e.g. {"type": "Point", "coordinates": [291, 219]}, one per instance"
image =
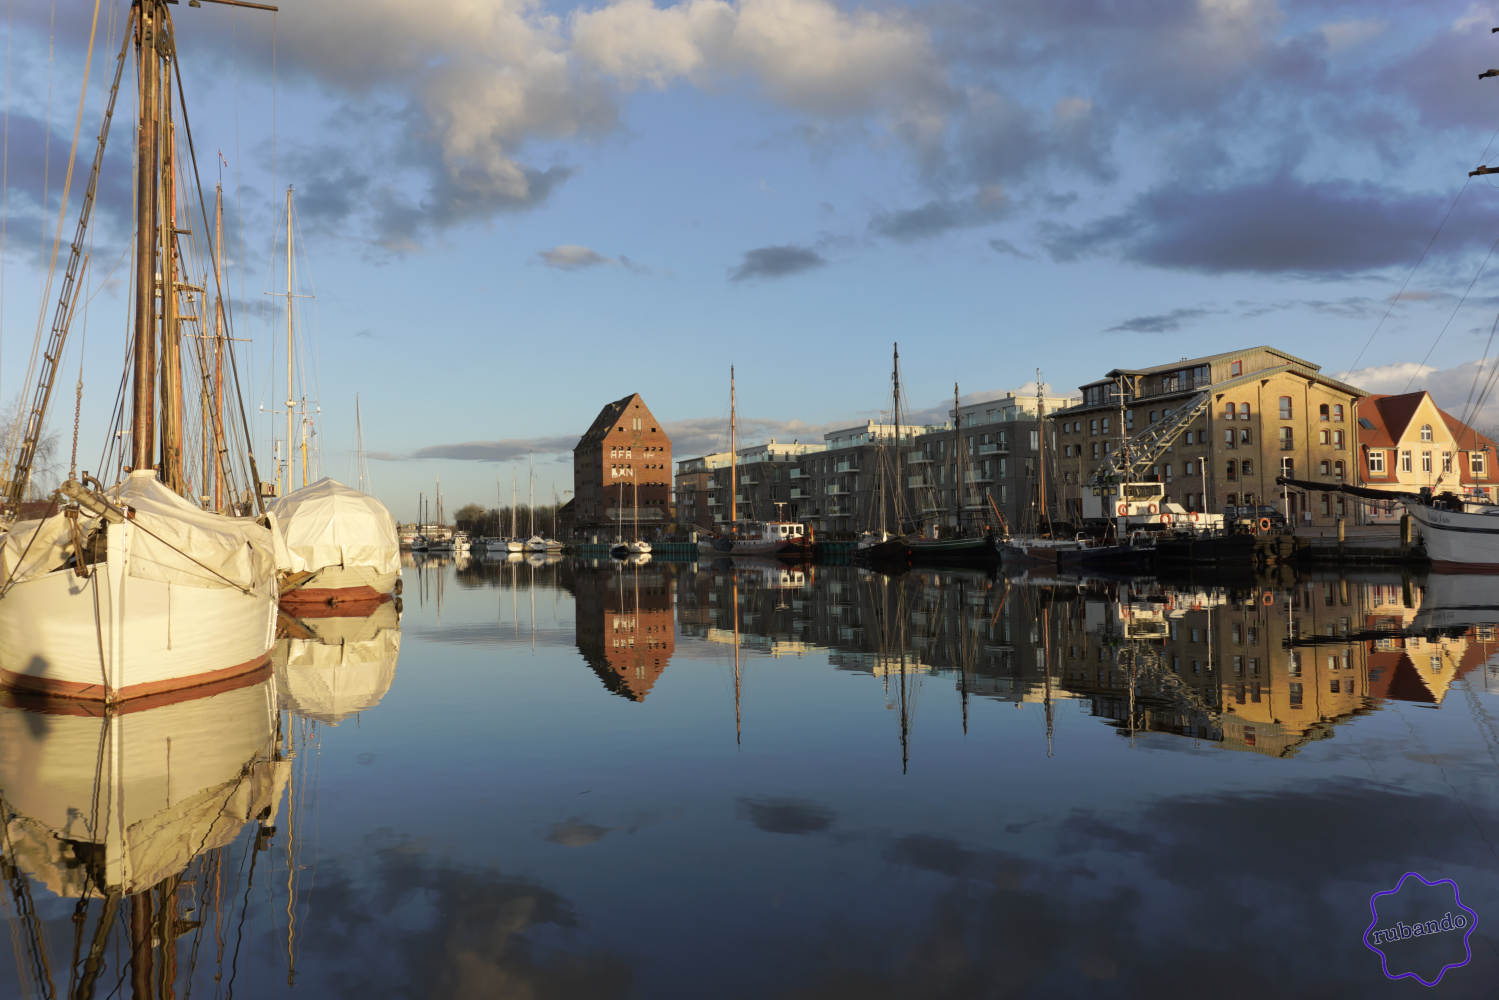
{"type": "Point", "coordinates": [1333, 685]}
{"type": "Point", "coordinates": [1326, 505]}
{"type": "Point", "coordinates": [1288, 467]}
{"type": "Point", "coordinates": [1093, 426]}
{"type": "Point", "coordinates": [1246, 436]}
{"type": "Point", "coordinates": [1228, 437]}
{"type": "Point", "coordinates": [1152, 416]}
{"type": "Point", "coordinates": [1287, 439]}
{"type": "Point", "coordinates": [1231, 471]}
{"type": "Point", "coordinates": [1338, 471]}
{"type": "Point", "coordinates": [1105, 425]}
{"type": "Point", "coordinates": [1243, 411]}
{"type": "Point", "coordinates": [1187, 438]}
{"type": "Point", "coordinates": [1425, 461]}
{"type": "Point", "coordinates": [1376, 463]}
{"type": "Point", "coordinates": [1446, 461]}
{"type": "Point", "coordinates": [1324, 412]}
{"type": "Point", "coordinates": [1232, 500]}
{"type": "Point", "coordinates": [1476, 462]}
{"type": "Point", "coordinates": [1186, 468]}
{"type": "Point", "coordinates": [1296, 694]}
{"type": "Point", "coordinates": [1246, 468]}
{"type": "Point", "coordinates": [1405, 460]}
{"type": "Point", "coordinates": [1337, 439]}
{"type": "Point", "coordinates": [1095, 449]}
{"type": "Point", "coordinates": [1323, 437]}
{"type": "Point", "coordinates": [1235, 368]}
{"type": "Point", "coordinates": [1228, 412]}
{"type": "Point", "coordinates": [1285, 407]}
{"type": "Point", "coordinates": [1324, 468]}
{"type": "Point", "coordinates": [1425, 432]}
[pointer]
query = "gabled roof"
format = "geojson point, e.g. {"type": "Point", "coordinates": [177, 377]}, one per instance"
{"type": "Point", "coordinates": [1391, 416]}
{"type": "Point", "coordinates": [608, 417]}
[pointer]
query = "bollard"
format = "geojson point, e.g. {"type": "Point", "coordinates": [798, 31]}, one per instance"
{"type": "Point", "coordinates": [1342, 530]}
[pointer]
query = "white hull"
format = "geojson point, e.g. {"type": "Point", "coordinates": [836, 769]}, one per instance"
{"type": "Point", "coordinates": [1457, 540]}
{"type": "Point", "coordinates": [113, 634]}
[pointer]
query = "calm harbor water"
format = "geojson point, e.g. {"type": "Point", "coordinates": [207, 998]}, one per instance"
{"type": "Point", "coordinates": [594, 781]}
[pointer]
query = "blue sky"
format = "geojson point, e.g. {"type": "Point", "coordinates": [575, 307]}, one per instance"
{"type": "Point", "coordinates": [513, 212]}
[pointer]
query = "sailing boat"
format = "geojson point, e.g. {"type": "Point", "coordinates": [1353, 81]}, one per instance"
{"type": "Point", "coordinates": [344, 551]}
{"type": "Point", "coordinates": [133, 589]}
{"type": "Point", "coordinates": [963, 547]}
{"type": "Point", "coordinates": [784, 539]}
{"type": "Point", "coordinates": [882, 548]}
{"type": "Point", "coordinates": [535, 543]}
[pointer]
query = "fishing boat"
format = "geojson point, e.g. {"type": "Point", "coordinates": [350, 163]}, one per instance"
{"type": "Point", "coordinates": [132, 590]}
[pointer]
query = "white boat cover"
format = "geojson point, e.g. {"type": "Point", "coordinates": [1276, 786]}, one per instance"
{"type": "Point", "coordinates": [330, 524]}
{"type": "Point", "coordinates": [347, 668]}
{"type": "Point", "coordinates": [174, 542]}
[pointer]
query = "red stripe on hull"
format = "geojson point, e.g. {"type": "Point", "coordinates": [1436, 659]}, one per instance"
{"type": "Point", "coordinates": [1484, 569]}
{"type": "Point", "coordinates": [76, 698]}
{"type": "Point", "coordinates": [333, 602]}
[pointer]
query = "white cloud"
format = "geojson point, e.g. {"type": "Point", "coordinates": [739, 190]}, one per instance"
{"type": "Point", "coordinates": [571, 257]}
{"type": "Point", "coordinates": [805, 54]}
{"type": "Point", "coordinates": [1343, 35]}
{"type": "Point", "coordinates": [1454, 389]}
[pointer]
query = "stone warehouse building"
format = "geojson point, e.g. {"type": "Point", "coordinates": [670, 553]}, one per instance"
{"type": "Point", "coordinates": [623, 461]}
{"type": "Point", "coordinates": [1263, 413]}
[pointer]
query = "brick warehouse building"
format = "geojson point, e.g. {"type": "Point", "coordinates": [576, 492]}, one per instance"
{"type": "Point", "coordinates": [621, 461]}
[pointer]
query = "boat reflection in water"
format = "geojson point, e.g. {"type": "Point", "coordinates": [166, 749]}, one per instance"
{"type": "Point", "coordinates": [328, 669]}
{"type": "Point", "coordinates": [133, 808]}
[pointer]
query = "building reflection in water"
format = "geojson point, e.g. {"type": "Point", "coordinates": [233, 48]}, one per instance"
{"type": "Point", "coordinates": [624, 623]}
{"type": "Point", "coordinates": [1263, 671]}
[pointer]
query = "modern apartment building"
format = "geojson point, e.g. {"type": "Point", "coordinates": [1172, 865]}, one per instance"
{"type": "Point", "coordinates": [837, 487]}
{"type": "Point", "coordinates": [1259, 413]}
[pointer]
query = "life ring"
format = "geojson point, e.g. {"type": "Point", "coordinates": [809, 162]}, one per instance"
{"type": "Point", "coordinates": [1264, 524]}
{"type": "Point", "coordinates": [1152, 508]}
{"type": "Point", "coordinates": [1192, 517]}
{"type": "Point", "coordinates": [1165, 518]}
{"type": "Point", "coordinates": [1123, 509]}
{"type": "Point", "coordinates": [1268, 599]}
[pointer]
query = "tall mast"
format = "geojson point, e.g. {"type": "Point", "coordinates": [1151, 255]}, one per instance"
{"type": "Point", "coordinates": [359, 449]}
{"type": "Point", "coordinates": [900, 482]}
{"type": "Point", "coordinates": [531, 496]}
{"type": "Point", "coordinates": [291, 401]}
{"type": "Point", "coordinates": [1045, 523]}
{"type": "Point", "coordinates": [513, 477]}
{"type": "Point", "coordinates": [143, 382]}
{"type": "Point", "coordinates": [733, 459]}
{"type": "Point", "coordinates": [957, 460]}
{"type": "Point", "coordinates": [170, 372]}
{"type": "Point", "coordinates": [218, 350]}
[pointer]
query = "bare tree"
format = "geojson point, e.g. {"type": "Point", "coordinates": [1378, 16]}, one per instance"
{"type": "Point", "coordinates": [45, 470]}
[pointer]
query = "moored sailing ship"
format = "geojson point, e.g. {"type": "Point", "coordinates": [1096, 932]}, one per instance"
{"type": "Point", "coordinates": [135, 589]}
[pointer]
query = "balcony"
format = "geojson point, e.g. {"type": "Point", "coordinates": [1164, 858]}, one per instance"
{"type": "Point", "coordinates": [993, 449]}
{"type": "Point", "coordinates": [834, 490]}
{"type": "Point", "coordinates": [846, 467]}
{"type": "Point", "coordinates": [978, 477]}
{"type": "Point", "coordinates": [918, 482]}
{"type": "Point", "coordinates": [713, 502]}
{"type": "Point", "coordinates": [798, 494]}
{"type": "Point", "coordinates": [916, 458]}
{"type": "Point", "coordinates": [798, 474]}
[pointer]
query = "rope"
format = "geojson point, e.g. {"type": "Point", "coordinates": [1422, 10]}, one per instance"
{"type": "Point", "coordinates": [24, 425]}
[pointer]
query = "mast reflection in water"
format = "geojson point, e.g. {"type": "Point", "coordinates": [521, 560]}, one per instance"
{"type": "Point", "coordinates": [805, 781]}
